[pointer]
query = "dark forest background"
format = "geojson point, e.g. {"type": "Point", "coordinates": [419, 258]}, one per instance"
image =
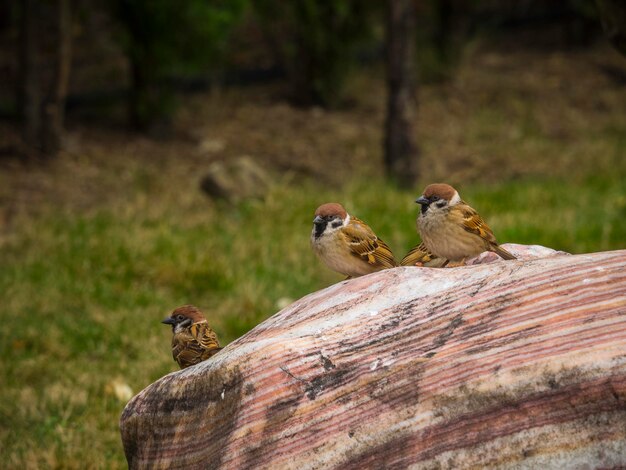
{"type": "Point", "coordinates": [127, 62]}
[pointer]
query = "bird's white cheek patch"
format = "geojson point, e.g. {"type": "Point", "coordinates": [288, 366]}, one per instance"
{"type": "Point", "coordinates": [455, 199]}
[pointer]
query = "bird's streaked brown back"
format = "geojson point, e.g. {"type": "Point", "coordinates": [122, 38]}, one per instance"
{"type": "Point", "coordinates": [195, 344]}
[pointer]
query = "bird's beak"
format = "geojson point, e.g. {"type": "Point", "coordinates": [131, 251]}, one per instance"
{"type": "Point", "coordinates": [422, 200]}
{"type": "Point", "coordinates": [318, 220]}
{"type": "Point", "coordinates": [168, 321]}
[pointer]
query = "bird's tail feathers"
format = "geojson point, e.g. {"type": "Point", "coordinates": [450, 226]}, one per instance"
{"type": "Point", "coordinates": [503, 253]}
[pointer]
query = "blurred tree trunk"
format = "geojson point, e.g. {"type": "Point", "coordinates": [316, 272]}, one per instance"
{"type": "Point", "coordinates": [6, 9]}
{"type": "Point", "coordinates": [148, 100]}
{"type": "Point", "coordinates": [44, 89]}
{"type": "Point", "coordinates": [138, 89]}
{"type": "Point", "coordinates": [613, 16]}
{"type": "Point", "coordinates": [303, 75]}
{"type": "Point", "coordinates": [443, 28]}
{"type": "Point", "coordinates": [401, 152]}
{"type": "Point", "coordinates": [53, 111]}
{"type": "Point", "coordinates": [29, 93]}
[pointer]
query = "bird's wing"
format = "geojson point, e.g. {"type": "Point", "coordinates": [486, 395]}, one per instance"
{"type": "Point", "coordinates": [420, 256]}
{"type": "Point", "coordinates": [205, 336]}
{"type": "Point", "coordinates": [180, 343]}
{"type": "Point", "coordinates": [474, 223]}
{"type": "Point", "coordinates": [365, 244]}
{"type": "Point", "coordinates": [193, 347]}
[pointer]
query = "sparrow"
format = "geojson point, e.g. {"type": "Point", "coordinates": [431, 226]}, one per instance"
{"type": "Point", "coordinates": [451, 229]}
{"type": "Point", "coordinates": [193, 340]}
{"type": "Point", "coordinates": [346, 244]}
{"type": "Point", "coordinates": [420, 256]}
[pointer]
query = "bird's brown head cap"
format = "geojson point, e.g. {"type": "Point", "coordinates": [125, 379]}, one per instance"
{"type": "Point", "coordinates": [331, 209]}
{"type": "Point", "coordinates": [440, 190]}
{"type": "Point", "coordinates": [189, 311]}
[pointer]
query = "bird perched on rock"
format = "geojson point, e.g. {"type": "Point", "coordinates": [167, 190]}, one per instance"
{"type": "Point", "coordinates": [451, 229]}
{"type": "Point", "coordinates": [193, 340]}
{"type": "Point", "coordinates": [346, 244]}
{"type": "Point", "coordinates": [420, 256]}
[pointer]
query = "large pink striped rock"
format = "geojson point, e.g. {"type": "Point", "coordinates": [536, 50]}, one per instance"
{"type": "Point", "coordinates": [512, 364]}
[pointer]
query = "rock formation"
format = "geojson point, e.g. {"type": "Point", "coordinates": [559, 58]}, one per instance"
{"type": "Point", "coordinates": [512, 364]}
{"type": "Point", "coordinates": [236, 180]}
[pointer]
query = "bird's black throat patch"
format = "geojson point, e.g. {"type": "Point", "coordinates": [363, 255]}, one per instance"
{"type": "Point", "coordinates": [319, 228]}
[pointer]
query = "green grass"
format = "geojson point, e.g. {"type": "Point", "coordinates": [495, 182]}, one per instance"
{"type": "Point", "coordinates": [83, 295]}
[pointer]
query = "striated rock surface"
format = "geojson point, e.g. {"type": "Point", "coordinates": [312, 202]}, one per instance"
{"type": "Point", "coordinates": [516, 364]}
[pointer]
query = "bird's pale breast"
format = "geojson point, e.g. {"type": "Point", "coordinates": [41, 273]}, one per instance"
{"type": "Point", "coordinates": [335, 253]}
{"type": "Point", "coordinates": [447, 238]}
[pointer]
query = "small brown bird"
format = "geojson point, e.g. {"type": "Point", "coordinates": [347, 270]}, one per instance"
{"type": "Point", "coordinates": [451, 229]}
{"type": "Point", "coordinates": [346, 244]}
{"type": "Point", "coordinates": [420, 256]}
{"type": "Point", "coordinates": [193, 340]}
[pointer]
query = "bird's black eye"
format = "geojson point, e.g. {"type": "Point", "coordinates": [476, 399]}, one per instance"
{"type": "Point", "coordinates": [434, 198]}
{"type": "Point", "coordinates": [180, 317]}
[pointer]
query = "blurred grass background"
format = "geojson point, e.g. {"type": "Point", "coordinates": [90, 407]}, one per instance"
{"type": "Point", "coordinates": [98, 246]}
